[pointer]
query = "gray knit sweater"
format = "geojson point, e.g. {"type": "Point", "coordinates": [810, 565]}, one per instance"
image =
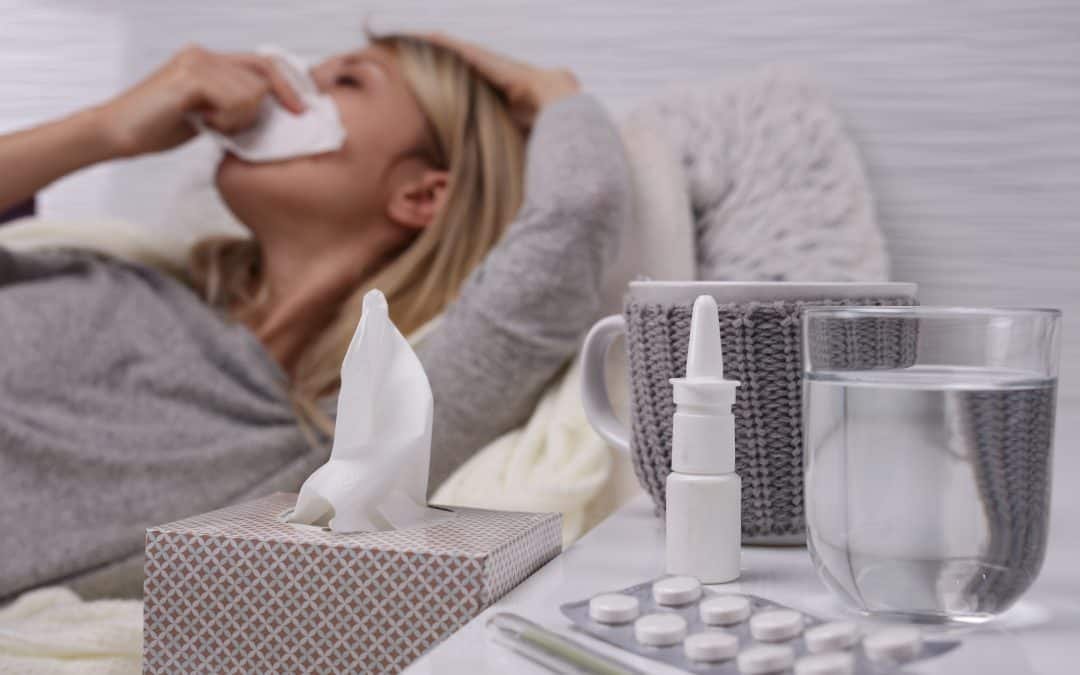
{"type": "Point", "coordinates": [126, 402]}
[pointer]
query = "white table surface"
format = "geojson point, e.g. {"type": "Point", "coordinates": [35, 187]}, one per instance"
{"type": "Point", "coordinates": [1041, 634]}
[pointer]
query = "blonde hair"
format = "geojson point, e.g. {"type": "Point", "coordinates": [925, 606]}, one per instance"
{"type": "Point", "coordinates": [480, 147]}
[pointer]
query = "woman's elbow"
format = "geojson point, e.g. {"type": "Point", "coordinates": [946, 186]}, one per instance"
{"type": "Point", "coordinates": [604, 207]}
{"type": "Point", "coordinates": [609, 189]}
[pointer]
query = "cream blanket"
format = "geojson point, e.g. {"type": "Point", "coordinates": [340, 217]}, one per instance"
{"type": "Point", "coordinates": [52, 631]}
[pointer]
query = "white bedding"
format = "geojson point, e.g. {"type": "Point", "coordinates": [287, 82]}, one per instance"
{"type": "Point", "coordinates": [50, 631]}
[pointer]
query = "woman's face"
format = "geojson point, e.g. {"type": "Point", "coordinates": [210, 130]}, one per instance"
{"type": "Point", "coordinates": [353, 185]}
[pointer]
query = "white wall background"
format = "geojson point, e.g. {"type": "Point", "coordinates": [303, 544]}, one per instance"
{"type": "Point", "coordinates": [967, 112]}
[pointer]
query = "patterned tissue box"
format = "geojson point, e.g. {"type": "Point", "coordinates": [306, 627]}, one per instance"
{"type": "Point", "coordinates": [239, 591]}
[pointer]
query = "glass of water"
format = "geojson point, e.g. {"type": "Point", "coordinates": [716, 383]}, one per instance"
{"type": "Point", "coordinates": [928, 436]}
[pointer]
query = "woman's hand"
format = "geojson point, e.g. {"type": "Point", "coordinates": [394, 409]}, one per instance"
{"type": "Point", "coordinates": [527, 88]}
{"type": "Point", "coordinates": [225, 89]}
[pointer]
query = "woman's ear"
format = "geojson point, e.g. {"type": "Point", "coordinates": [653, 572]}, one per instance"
{"type": "Point", "coordinates": [416, 202]}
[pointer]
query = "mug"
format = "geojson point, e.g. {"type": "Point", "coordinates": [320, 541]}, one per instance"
{"type": "Point", "coordinates": [761, 328]}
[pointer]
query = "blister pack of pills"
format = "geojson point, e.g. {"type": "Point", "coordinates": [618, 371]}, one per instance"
{"type": "Point", "coordinates": [675, 620]}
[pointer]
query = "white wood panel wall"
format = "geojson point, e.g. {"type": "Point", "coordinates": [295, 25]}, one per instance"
{"type": "Point", "coordinates": [967, 112]}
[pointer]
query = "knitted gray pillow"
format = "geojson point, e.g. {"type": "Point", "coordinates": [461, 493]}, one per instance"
{"type": "Point", "coordinates": [763, 350]}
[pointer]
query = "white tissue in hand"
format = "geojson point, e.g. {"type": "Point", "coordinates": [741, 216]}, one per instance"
{"type": "Point", "coordinates": [280, 134]}
{"type": "Point", "coordinates": [377, 475]}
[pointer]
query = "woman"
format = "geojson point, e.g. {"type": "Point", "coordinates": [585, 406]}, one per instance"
{"type": "Point", "coordinates": [128, 398]}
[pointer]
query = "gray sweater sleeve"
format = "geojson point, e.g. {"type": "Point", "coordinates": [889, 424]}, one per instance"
{"type": "Point", "coordinates": [521, 314]}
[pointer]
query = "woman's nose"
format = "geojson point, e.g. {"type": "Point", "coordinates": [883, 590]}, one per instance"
{"type": "Point", "coordinates": [323, 75]}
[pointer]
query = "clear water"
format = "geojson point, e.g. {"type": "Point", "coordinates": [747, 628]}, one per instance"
{"type": "Point", "coordinates": [927, 488]}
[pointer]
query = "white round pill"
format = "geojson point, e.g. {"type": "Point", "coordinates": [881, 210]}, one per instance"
{"type": "Point", "coordinates": [764, 659]}
{"type": "Point", "coordinates": [711, 646]}
{"type": "Point", "coordinates": [676, 590]}
{"type": "Point", "coordinates": [826, 663]}
{"type": "Point", "coordinates": [725, 610]}
{"type": "Point", "coordinates": [776, 625]}
{"type": "Point", "coordinates": [898, 644]}
{"type": "Point", "coordinates": [831, 637]}
{"type": "Point", "coordinates": [660, 630]}
{"type": "Point", "coordinates": [613, 608]}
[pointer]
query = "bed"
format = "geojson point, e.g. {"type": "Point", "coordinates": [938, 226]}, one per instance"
{"type": "Point", "coordinates": [964, 113]}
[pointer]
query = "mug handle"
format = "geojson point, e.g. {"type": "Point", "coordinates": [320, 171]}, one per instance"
{"type": "Point", "coordinates": [594, 394]}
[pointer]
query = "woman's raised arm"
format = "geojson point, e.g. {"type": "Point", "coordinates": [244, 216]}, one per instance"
{"type": "Point", "coordinates": [521, 315]}
{"type": "Point", "coordinates": [31, 159]}
{"type": "Point", "coordinates": [226, 89]}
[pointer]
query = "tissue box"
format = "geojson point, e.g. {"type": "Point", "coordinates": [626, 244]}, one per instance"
{"type": "Point", "coordinates": [238, 590]}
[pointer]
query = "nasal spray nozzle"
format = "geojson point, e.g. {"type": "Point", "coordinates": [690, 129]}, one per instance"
{"type": "Point", "coordinates": [703, 497]}
{"type": "Point", "coordinates": [704, 358]}
{"type": "Point", "coordinates": [703, 435]}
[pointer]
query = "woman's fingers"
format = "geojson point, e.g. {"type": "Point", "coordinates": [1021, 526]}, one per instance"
{"type": "Point", "coordinates": [502, 71]}
{"type": "Point", "coordinates": [236, 86]}
{"type": "Point", "coordinates": [234, 97]}
{"type": "Point", "coordinates": [227, 90]}
{"type": "Point", "coordinates": [527, 89]}
{"type": "Point", "coordinates": [278, 85]}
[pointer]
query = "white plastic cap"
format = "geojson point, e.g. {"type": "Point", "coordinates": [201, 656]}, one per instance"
{"type": "Point", "coordinates": [704, 360]}
{"type": "Point", "coordinates": [703, 431]}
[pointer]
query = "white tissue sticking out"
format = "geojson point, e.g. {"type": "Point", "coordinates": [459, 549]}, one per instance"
{"type": "Point", "coordinates": [280, 134]}
{"type": "Point", "coordinates": [377, 475]}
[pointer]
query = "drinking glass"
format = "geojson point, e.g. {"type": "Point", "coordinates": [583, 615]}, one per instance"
{"type": "Point", "coordinates": [928, 437]}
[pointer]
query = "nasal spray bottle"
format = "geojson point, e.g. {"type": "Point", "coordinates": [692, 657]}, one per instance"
{"type": "Point", "coordinates": [704, 500]}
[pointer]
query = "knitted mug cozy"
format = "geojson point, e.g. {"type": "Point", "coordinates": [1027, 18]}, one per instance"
{"type": "Point", "coordinates": [763, 350]}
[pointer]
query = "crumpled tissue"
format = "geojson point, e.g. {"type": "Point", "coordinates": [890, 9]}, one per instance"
{"type": "Point", "coordinates": [376, 478]}
{"type": "Point", "coordinates": [280, 134]}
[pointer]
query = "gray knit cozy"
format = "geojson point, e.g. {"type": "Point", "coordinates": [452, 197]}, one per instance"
{"type": "Point", "coordinates": [762, 348]}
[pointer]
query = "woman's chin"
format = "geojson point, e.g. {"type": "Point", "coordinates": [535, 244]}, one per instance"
{"type": "Point", "coordinates": [252, 187]}
{"type": "Point", "coordinates": [232, 165]}
{"type": "Point", "coordinates": [233, 170]}
{"type": "Point", "coordinates": [229, 164]}
{"type": "Point", "coordinates": [242, 184]}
